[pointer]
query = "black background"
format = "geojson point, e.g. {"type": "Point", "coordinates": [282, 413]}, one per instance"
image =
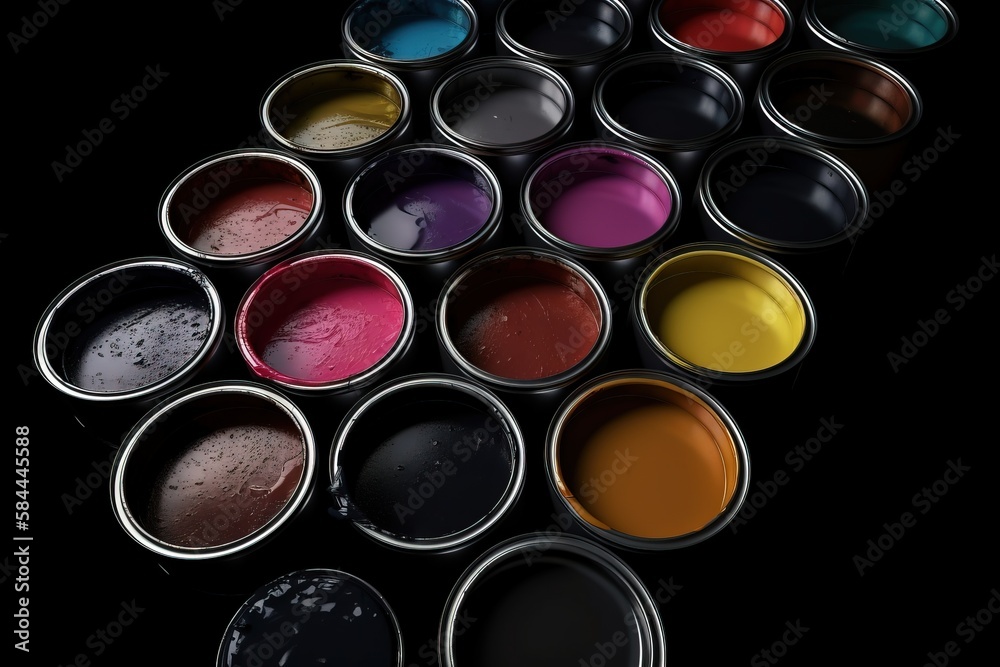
{"type": "Point", "coordinates": [792, 562]}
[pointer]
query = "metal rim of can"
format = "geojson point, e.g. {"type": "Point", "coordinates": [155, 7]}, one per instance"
{"type": "Point", "coordinates": [454, 54]}
{"type": "Point", "coordinates": [701, 373]}
{"type": "Point", "coordinates": [424, 256]}
{"type": "Point", "coordinates": [162, 386]}
{"type": "Point", "coordinates": [816, 26]}
{"type": "Point", "coordinates": [285, 247]}
{"type": "Point", "coordinates": [560, 380]}
{"type": "Point", "coordinates": [470, 388]}
{"type": "Point", "coordinates": [668, 61]}
{"type": "Point", "coordinates": [769, 109]}
{"type": "Point", "coordinates": [353, 382]}
{"type": "Point", "coordinates": [593, 252]}
{"type": "Point", "coordinates": [522, 66]}
{"type": "Point", "coordinates": [662, 36]}
{"type": "Point", "coordinates": [835, 165]}
{"type": "Point", "coordinates": [160, 414]}
{"type": "Point", "coordinates": [672, 382]}
{"type": "Point", "coordinates": [397, 630]}
{"type": "Point", "coordinates": [557, 60]}
{"type": "Point", "coordinates": [274, 134]}
{"type": "Point", "coordinates": [620, 573]}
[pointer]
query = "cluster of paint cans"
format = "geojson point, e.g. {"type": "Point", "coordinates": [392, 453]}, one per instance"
{"type": "Point", "coordinates": [493, 198]}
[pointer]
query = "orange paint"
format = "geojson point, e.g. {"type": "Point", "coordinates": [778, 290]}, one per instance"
{"type": "Point", "coordinates": [648, 459]}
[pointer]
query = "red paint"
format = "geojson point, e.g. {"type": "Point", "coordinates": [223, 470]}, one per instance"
{"type": "Point", "coordinates": [728, 26]}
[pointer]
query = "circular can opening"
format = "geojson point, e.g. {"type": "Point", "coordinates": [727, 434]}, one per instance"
{"type": "Point", "coordinates": [884, 26]}
{"type": "Point", "coordinates": [587, 31]}
{"type": "Point", "coordinates": [410, 32]}
{"type": "Point", "coordinates": [723, 26]}
{"type": "Point", "coordinates": [324, 321]}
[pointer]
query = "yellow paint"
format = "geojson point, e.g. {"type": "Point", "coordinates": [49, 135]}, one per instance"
{"type": "Point", "coordinates": [338, 119]}
{"type": "Point", "coordinates": [649, 466]}
{"type": "Point", "coordinates": [723, 312]}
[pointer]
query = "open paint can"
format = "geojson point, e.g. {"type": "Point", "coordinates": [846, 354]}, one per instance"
{"type": "Point", "coordinates": [124, 336]}
{"type": "Point", "coordinates": [335, 114]}
{"type": "Point", "coordinates": [313, 617]}
{"type": "Point", "coordinates": [427, 463]}
{"type": "Point", "coordinates": [418, 40]}
{"type": "Point", "coordinates": [634, 95]}
{"type": "Point", "coordinates": [855, 107]}
{"type": "Point", "coordinates": [721, 313]}
{"type": "Point", "coordinates": [604, 204]}
{"type": "Point", "coordinates": [239, 212]}
{"type": "Point", "coordinates": [325, 323]}
{"type": "Point", "coordinates": [544, 599]}
{"type": "Point", "coordinates": [209, 478]}
{"type": "Point", "coordinates": [740, 36]}
{"type": "Point", "coordinates": [526, 322]}
{"type": "Point", "coordinates": [646, 461]}
{"type": "Point", "coordinates": [507, 111]}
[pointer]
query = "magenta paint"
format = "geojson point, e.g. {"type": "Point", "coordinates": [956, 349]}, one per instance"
{"type": "Point", "coordinates": [324, 320]}
{"type": "Point", "coordinates": [600, 196]}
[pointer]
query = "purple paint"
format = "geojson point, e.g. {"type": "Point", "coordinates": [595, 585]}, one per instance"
{"type": "Point", "coordinates": [429, 213]}
{"type": "Point", "coordinates": [599, 197]}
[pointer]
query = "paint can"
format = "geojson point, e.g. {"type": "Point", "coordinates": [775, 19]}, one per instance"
{"type": "Point", "coordinates": [336, 114]}
{"type": "Point", "coordinates": [208, 480]}
{"type": "Point", "coordinates": [507, 111]}
{"type": "Point", "coordinates": [418, 40]}
{"type": "Point", "coordinates": [646, 461]}
{"type": "Point", "coordinates": [785, 197]}
{"type": "Point", "coordinates": [634, 95]}
{"type": "Point", "coordinates": [313, 616]}
{"type": "Point", "coordinates": [327, 323]}
{"type": "Point", "coordinates": [605, 205]}
{"type": "Point", "coordinates": [239, 212]}
{"type": "Point", "coordinates": [740, 36]}
{"type": "Point", "coordinates": [857, 108]}
{"type": "Point", "coordinates": [526, 322]}
{"type": "Point", "coordinates": [578, 39]}
{"type": "Point", "coordinates": [899, 33]}
{"type": "Point", "coordinates": [119, 339]}
{"type": "Point", "coordinates": [722, 315]}
{"type": "Point", "coordinates": [544, 599]}
{"type": "Point", "coordinates": [427, 463]}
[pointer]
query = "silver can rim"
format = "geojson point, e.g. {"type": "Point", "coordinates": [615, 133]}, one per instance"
{"type": "Point", "coordinates": [498, 382]}
{"type": "Point", "coordinates": [666, 145]}
{"type": "Point", "coordinates": [647, 614]}
{"type": "Point", "coordinates": [464, 48]}
{"type": "Point", "coordinates": [428, 256]}
{"type": "Point", "coordinates": [624, 540]}
{"type": "Point", "coordinates": [721, 377]}
{"type": "Point", "coordinates": [133, 439]}
{"type": "Point", "coordinates": [662, 36]}
{"type": "Point", "coordinates": [151, 391]}
{"type": "Point", "coordinates": [335, 154]}
{"type": "Point", "coordinates": [354, 382]}
{"type": "Point", "coordinates": [560, 61]}
{"type": "Point", "coordinates": [490, 400]}
{"type": "Point", "coordinates": [595, 253]}
{"type": "Point", "coordinates": [281, 249]}
{"type": "Point", "coordinates": [767, 107]}
{"type": "Point", "coordinates": [834, 163]}
{"type": "Point", "coordinates": [487, 148]}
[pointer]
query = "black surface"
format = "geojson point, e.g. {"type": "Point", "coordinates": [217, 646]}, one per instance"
{"type": "Point", "coordinates": [841, 458]}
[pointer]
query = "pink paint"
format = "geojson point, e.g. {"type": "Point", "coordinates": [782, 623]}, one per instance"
{"type": "Point", "coordinates": [250, 216]}
{"type": "Point", "coordinates": [319, 319]}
